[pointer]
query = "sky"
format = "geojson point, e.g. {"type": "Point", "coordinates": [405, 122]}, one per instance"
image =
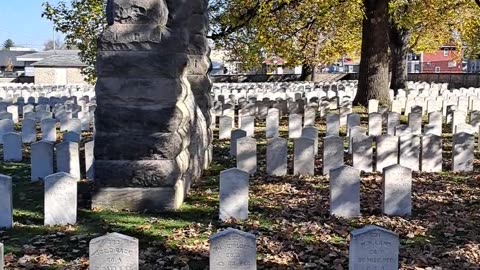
{"type": "Point", "coordinates": [21, 21]}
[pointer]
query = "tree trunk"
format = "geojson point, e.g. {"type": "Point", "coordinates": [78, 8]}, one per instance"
{"type": "Point", "coordinates": [373, 77]}
{"type": "Point", "coordinates": [307, 72]}
{"type": "Point", "coordinates": [399, 40]}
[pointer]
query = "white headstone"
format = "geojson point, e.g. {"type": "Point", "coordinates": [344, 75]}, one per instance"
{"type": "Point", "coordinates": [304, 156]}
{"type": "Point", "coordinates": [362, 153]}
{"type": "Point", "coordinates": [233, 249]}
{"type": "Point", "coordinates": [273, 119]}
{"type": "Point", "coordinates": [12, 147]}
{"type": "Point", "coordinates": [41, 160]}
{"type": "Point", "coordinates": [397, 191]}
{"type": "Point", "coordinates": [463, 152]}
{"type": "Point", "coordinates": [6, 204]}
{"type": "Point", "coordinates": [312, 133]}
{"type": "Point", "coordinates": [6, 126]}
{"type": "Point", "coordinates": [89, 160]}
{"type": "Point", "coordinates": [333, 153]}
{"type": "Point", "coordinates": [236, 134]}
{"type": "Point", "coordinates": [68, 158]}
{"type": "Point", "coordinates": [234, 194]}
{"type": "Point", "coordinates": [277, 152]}
{"type": "Point", "coordinates": [410, 151]}
{"type": "Point", "coordinates": [247, 154]}
{"type": "Point", "coordinates": [60, 199]}
{"type": "Point", "coordinates": [373, 247]}
{"type": "Point", "coordinates": [333, 125]}
{"type": "Point", "coordinates": [294, 126]}
{"type": "Point", "coordinates": [345, 192]}
{"type": "Point", "coordinates": [114, 251]}
{"type": "Point", "coordinates": [387, 151]}
{"type": "Point", "coordinates": [225, 127]}
{"type": "Point", "coordinates": [431, 153]}
{"type": "Point", "coordinates": [29, 131]}
{"type": "Point", "coordinates": [49, 130]}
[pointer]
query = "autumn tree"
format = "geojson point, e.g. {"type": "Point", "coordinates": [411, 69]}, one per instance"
{"type": "Point", "coordinates": [8, 44]}
{"type": "Point", "coordinates": [373, 77]}
{"type": "Point", "coordinates": [307, 33]}
{"type": "Point", "coordinates": [310, 33]}
{"type": "Point", "coordinates": [423, 26]}
{"type": "Point", "coordinates": [81, 21]}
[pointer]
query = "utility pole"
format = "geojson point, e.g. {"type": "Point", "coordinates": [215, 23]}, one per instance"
{"type": "Point", "coordinates": [54, 42]}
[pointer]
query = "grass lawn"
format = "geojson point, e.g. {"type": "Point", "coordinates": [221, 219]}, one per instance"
{"type": "Point", "coordinates": [289, 215]}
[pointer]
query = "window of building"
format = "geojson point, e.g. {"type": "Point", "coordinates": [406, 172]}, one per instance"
{"type": "Point", "coordinates": [437, 69]}
{"type": "Point", "coordinates": [445, 52]}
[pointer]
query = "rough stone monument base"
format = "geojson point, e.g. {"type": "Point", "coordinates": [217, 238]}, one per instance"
{"type": "Point", "coordinates": [139, 199]}
{"type": "Point", "coordinates": [152, 121]}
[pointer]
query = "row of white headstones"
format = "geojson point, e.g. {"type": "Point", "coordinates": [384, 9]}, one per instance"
{"type": "Point", "coordinates": [371, 247]}
{"type": "Point", "coordinates": [406, 146]}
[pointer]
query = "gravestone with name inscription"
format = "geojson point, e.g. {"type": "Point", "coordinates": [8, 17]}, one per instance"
{"type": "Point", "coordinates": [234, 194]}
{"type": "Point", "coordinates": [397, 191]}
{"type": "Point", "coordinates": [6, 203]}
{"type": "Point", "coordinates": [277, 151]}
{"type": "Point", "coordinates": [373, 247]}
{"type": "Point", "coordinates": [60, 203]}
{"type": "Point", "coordinates": [233, 249]}
{"type": "Point", "coordinates": [113, 251]}
{"type": "Point", "coordinates": [345, 192]}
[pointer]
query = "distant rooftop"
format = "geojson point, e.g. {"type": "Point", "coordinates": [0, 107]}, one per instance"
{"type": "Point", "coordinates": [33, 57]}
{"type": "Point", "coordinates": [60, 60]}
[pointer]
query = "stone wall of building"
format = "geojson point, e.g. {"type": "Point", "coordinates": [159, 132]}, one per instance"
{"type": "Point", "coordinates": [47, 75]}
{"type": "Point", "coordinates": [152, 103]}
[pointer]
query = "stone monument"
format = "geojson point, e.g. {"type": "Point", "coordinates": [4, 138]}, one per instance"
{"type": "Point", "coordinates": [153, 123]}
